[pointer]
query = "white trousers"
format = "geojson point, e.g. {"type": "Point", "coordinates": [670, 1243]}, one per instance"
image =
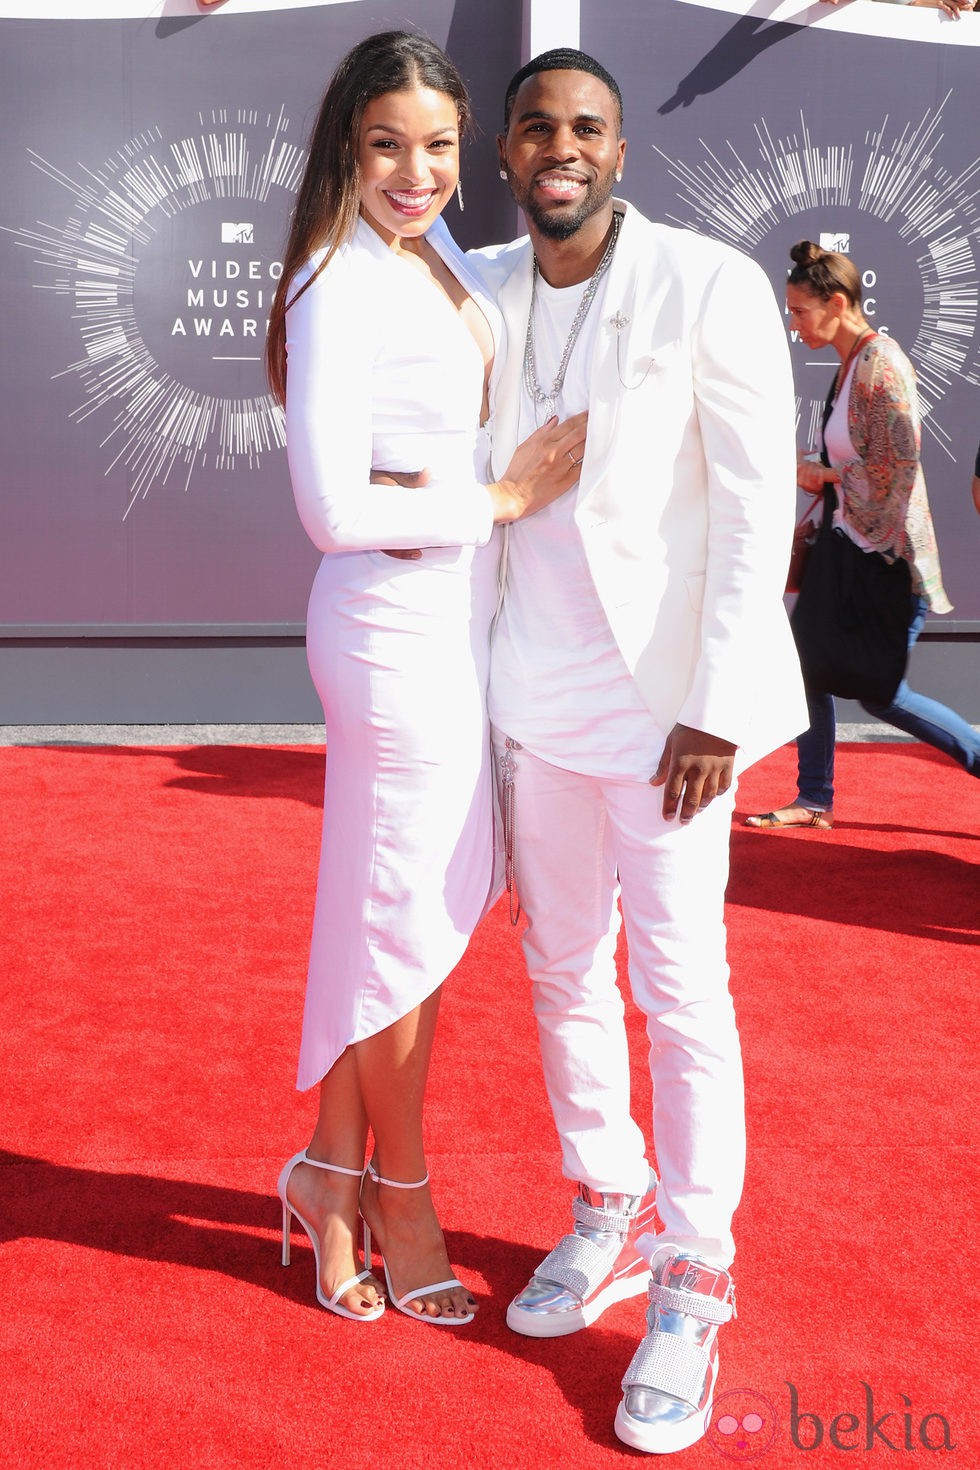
{"type": "Point", "coordinates": [581, 842]}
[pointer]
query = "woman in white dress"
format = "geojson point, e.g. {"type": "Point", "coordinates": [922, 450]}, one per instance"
{"type": "Point", "coordinates": [389, 341]}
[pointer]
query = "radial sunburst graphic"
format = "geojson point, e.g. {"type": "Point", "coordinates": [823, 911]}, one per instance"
{"type": "Point", "coordinates": [169, 261]}
{"type": "Point", "coordinates": [894, 194]}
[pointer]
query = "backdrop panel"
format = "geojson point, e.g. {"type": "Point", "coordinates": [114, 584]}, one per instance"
{"type": "Point", "coordinates": [150, 166]}
{"type": "Point", "coordinates": [763, 131]}
{"type": "Point", "coordinates": [150, 150]}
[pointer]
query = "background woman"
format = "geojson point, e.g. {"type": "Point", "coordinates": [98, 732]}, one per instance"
{"type": "Point", "coordinates": [872, 441]}
{"type": "Point", "coordinates": [389, 342]}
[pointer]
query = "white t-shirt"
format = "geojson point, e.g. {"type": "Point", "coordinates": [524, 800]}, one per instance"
{"type": "Point", "coordinates": [558, 683]}
{"type": "Point", "coordinates": [840, 450]}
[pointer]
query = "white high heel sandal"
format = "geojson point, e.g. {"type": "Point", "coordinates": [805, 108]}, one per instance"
{"type": "Point", "coordinates": [401, 1302]}
{"type": "Point", "coordinates": [332, 1303]}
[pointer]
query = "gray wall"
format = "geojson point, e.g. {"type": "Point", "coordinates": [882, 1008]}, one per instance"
{"type": "Point", "coordinates": [264, 680]}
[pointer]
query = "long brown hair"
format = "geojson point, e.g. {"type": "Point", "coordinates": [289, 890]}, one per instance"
{"type": "Point", "coordinates": [824, 272]}
{"type": "Point", "coordinates": [329, 196]}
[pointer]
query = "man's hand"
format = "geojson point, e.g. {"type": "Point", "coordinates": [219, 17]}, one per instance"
{"type": "Point", "coordinates": [410, 479]}
{"type": "Point", "coordinates": [694, 766]}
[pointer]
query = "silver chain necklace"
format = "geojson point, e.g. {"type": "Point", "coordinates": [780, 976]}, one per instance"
{"type": "Point", "coordinates": [539, 397]}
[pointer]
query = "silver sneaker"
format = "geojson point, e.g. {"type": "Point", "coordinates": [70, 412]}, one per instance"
{"type": "Point", "coordinates": [669, 1386]}
{"type": "Point", "coordinates": [592, 1268]}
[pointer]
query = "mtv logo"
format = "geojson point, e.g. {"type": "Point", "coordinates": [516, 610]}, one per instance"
{"type": "Point", "coordinates": [237, 234]}
{"type": "Point", "coordinates": [841, 242]}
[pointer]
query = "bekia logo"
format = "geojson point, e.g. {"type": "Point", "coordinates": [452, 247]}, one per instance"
{"type": "Point", "coordinates": [744, 1425]}
{"type": "Point", "coordinates": [867, 1429]}
{"type": "Point", "coordinates": [237, 234]}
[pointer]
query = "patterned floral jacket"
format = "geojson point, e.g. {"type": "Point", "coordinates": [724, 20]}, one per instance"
{"type": "Point", "coordinates": [884, 490]}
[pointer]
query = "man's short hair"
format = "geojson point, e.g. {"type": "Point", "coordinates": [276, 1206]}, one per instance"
{"type": "Point", "coordinates": [562, 58]}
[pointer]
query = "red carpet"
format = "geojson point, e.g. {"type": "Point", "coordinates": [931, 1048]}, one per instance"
{"type": "Point", "coordinates": [153, 952]}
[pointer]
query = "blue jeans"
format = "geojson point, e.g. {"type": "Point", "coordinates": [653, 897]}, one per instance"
{"type": "Point", "coordinates": [923, 718]}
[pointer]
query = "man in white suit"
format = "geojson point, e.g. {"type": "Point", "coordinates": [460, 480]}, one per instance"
{"type": "Point", "coordinates": [642, 656]}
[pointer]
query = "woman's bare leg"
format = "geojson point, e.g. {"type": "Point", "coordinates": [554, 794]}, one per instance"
{"type": "Point", "coordinates": [330, 1201]}
{"type": "Point", "coordinates": [378, 1082]}
{"type": "Point", "coordinates": [393, 1066]}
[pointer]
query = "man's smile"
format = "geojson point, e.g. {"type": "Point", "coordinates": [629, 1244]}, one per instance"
{"type": "Point", "coordinates": [559, 185]}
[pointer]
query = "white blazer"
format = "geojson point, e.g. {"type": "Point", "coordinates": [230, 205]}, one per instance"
{"type": "Point", "coordinates": [688, 489]}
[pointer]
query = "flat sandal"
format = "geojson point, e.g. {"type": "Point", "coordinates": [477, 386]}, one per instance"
{"type": "Point", "coordinates": [823, 821]}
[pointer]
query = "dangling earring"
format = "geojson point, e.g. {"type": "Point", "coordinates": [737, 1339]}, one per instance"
{"type": "Point", "coordinates": [459, 194]}
{"type": "Point", "coordinates": [503, 174]}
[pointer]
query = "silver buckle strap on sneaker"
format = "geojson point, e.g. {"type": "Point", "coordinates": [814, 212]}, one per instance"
{"type": "Point", "coordinates": [595, 1219]}
{"type": "Point", "coordinates": [576, 1263]}
{"type": "Point", "coordinates": [668, 1364]}
{"type": "Point", "coordinates": [691, 1303]}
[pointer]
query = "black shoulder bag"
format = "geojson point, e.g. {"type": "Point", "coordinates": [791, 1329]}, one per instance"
{"type": "Point", "coordinates": [851, 619]}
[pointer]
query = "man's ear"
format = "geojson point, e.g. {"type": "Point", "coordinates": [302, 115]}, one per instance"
{"type": "Point", "coordinates": [502, 149]}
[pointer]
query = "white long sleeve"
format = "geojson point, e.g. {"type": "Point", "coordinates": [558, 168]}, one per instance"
{"type": "Point", "coordinates": [359, 386]}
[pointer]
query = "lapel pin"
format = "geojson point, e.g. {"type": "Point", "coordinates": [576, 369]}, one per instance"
{"type": "Point", "coordinates": [619, 321]}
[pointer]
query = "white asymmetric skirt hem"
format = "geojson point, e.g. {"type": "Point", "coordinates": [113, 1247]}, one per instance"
{"type": "Point", "coordinates": [399, 652]}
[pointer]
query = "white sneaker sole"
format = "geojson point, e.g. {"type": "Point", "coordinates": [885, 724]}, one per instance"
{"type": "Point", "coordinates": [661, 1439]}
{"type": "Point", "coordinates": [562, 1324]}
